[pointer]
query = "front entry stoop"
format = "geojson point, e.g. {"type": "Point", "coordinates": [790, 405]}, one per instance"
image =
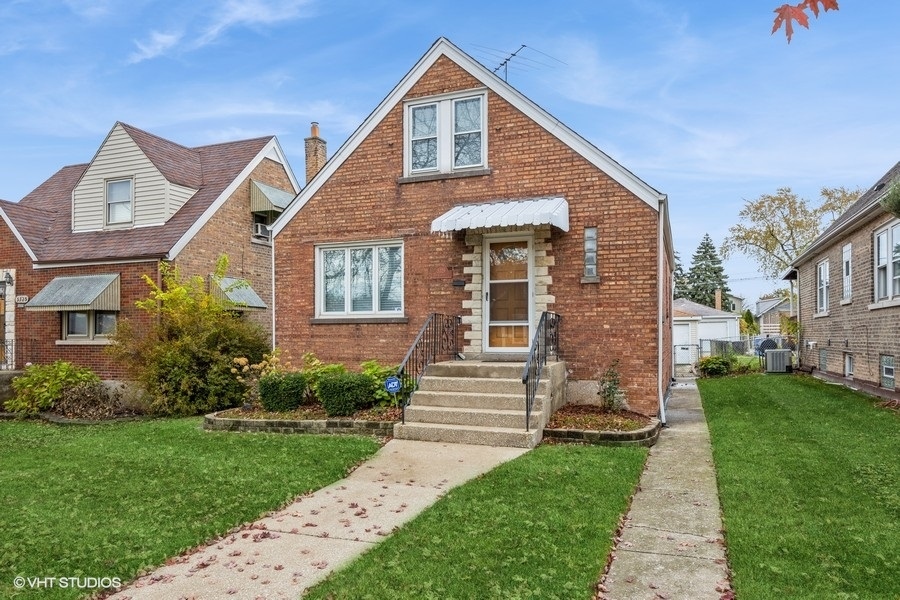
{"type": "Point", "coordinates": [480, 402]}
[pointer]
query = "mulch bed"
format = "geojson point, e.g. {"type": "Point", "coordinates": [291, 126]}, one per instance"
{"type": "Point", "coordinates": [593, 418]}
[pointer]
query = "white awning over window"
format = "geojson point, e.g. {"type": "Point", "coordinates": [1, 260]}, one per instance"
{"type": "Point", "coordinates": [78, 293]}
{"type": "Point", "coordinates": [510, 213]}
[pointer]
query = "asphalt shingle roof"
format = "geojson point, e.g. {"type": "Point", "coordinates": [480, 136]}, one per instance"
{"type": "Point", "coordinates": [44, 216]}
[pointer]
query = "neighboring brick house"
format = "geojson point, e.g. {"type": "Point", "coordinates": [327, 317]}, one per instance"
{"type": "Point", "coordinates": [849, 282]}
{"type": "Point", "coordinates": [455, 167]}
{"type": "Point", "coordinates": [74, 250]}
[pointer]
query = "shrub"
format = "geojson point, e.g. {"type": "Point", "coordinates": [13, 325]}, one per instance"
{"type": "Point", "coordinates": [249, 374]}
{"type": "Point", "coordinates": [715, 366]}
{"type": "Point", "coordinates": [184, 361]}
{"type": "Point", "coordinates": [282, 392]}
{"type": "Point", "coordinates": [612, 396]}
{"type": "Point", "coordinates": [378, 374]}
{"type": "Point", "coordinates": [41, 386]}
{"type": "Point", "coordinates": [342, 394]}
{"type": "Point", "coordinates": [315, 370]}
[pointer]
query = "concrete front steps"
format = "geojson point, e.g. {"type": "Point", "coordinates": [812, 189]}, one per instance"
{"type": "Point", "coordinates": [475, 402]}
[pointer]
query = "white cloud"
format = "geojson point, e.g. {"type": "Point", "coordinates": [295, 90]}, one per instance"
{"type": "Point", "coordinates": [158, 44]}
{"type": "Point", "coordinates": [237, 13]}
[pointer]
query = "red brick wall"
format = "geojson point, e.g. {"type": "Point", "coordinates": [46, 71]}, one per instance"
{"type": "Point", "coordinates": [37, 332]}
{"type": "Point", "coordinates": [850, 327]}
{"type": "Point", "coordinates": [229, 232]}
{"type": "Point", "coordinates": [363, 201]}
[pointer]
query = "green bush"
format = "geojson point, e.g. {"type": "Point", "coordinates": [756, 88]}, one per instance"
{"type": "Point", "coordinates": [315, 370]}
{"type": "Point", "coordinates": [41, 386]}
{"type": "Point", "coordinates": [378, 373]}
{"type": "Point", "coordinates": [342, 394]}
{"type": "Point", "coordinates": [282, 392]}
{"type": "Point", "coordinates": [185, 360]}
{"type": "Point", "coordinates": [715, 366]}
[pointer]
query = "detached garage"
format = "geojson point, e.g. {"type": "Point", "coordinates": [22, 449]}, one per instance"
{"type": "Point", "coordinates": [694, 326]}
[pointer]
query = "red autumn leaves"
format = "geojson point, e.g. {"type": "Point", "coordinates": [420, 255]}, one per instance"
{"type": "Point", "coordinates": [786, 14]}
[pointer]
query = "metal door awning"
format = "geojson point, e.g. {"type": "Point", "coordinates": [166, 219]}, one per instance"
{"type": "Point", "coordinates": [508, 213]}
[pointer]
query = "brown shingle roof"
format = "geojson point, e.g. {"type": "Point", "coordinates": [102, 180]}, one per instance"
{"type": "Point", "coordinates": [868, 200]}
{"type": "Point", "coordinates": [44, 217]}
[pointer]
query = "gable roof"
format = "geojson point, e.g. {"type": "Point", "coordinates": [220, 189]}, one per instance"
{"type": "Point", "coordinates": [443, 47]}
{"type": "Point", "coordinates": [765, 306]}
{"type": "Point", "coordinates": [42, 220]}
{"type": "Point", "coordinates": [685, 307]}
{"type": "Point", "coordinates": [866, 206]}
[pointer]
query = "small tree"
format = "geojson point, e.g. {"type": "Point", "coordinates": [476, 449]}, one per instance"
{"type": "Point", "coordinates": [706, 274]}
{"type": "Point", "coordinates": [184, 362]}
{"type": "Point", "coordinates": [748, 324]}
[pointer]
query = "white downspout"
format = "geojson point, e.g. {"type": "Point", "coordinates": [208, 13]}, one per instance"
{"type": "Point", "coordinates": [661, 375]}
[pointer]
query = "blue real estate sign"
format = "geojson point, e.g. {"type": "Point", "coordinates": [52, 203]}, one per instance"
{"type": "Point", "coordinates": [392, 384]}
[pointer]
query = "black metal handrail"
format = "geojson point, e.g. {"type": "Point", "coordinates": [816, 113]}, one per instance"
{"type": "Point", "coordinates": [544, 344]}
{"type": "Point", "coordinates": [438, 337]}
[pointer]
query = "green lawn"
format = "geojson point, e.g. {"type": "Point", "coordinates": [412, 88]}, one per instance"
{"type": "Point", "coordinates": [109, 500]}
{"type": "Point", "coordinates": [538, 527]}
{"type": "Point", "coordinates": [809, 481]}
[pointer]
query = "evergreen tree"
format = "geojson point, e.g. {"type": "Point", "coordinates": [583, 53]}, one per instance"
{"type": "Point", "coordinates": [706, 274]}
{"type": "Point", "coordinates": [681, 286]}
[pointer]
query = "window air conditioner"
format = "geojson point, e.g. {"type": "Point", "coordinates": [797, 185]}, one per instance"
{"type": "Point", "coordinates": [261, 230]}
{"type": "Point", "coordinates": [778, 361]}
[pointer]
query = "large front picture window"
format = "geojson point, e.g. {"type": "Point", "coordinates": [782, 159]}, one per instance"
{"type": "Point", "coordinates": [361, 280]}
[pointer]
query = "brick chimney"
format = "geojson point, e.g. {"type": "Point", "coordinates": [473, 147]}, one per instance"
{"type": "Point", "coordinates": [718, 296]}
{"type": "Point", "coordinates": [316, 154]}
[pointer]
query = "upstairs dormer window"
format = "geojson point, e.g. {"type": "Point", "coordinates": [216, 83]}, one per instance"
{"type": "Point", "coordinates": [119, 201]}
{"type": "Point", "coordinates": [446, 135]}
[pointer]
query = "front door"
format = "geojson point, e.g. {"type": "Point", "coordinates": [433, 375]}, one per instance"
{"type": "Point", "coordinates": [508, 294]}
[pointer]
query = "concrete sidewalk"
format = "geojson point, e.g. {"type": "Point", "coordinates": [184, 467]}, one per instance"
{"type": "Point", "coordinates": [289, 551]}
{"type": "Point", "coordinates": [672, 545]}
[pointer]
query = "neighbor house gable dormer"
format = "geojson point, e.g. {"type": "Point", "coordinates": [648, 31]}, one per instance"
{"type": "Point", "coordinates": [136, 179]}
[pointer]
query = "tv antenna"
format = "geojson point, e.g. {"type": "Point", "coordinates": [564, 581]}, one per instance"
{"type": "Point", "coordinates": [505, 64]}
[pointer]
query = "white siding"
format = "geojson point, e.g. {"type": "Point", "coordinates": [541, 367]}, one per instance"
{"type": "Point", "coordinates": [154, 200]}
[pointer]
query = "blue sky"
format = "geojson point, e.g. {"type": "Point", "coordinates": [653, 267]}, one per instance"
{"type": "Point", "coordinates": [700, 102]}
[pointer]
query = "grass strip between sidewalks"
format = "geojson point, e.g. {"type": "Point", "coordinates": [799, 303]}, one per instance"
{"type": "Point", "coordinates": [810, 487]}
{"type": "Point", "coordinates": [109, 500]}
{"type": "Point", "coordinates": [538, 527]}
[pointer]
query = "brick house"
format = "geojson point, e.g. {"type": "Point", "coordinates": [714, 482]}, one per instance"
{"type": "Point", "coordinates": [849, 289]}
{"type": "Point", "coordinates": [456, 170]}
{"type": "Point", "coordinates": [75, 249]}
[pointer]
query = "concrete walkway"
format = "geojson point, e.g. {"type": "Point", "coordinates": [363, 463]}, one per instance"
{"type": "Point", "coordinates": [289, 551]}
{"type": "Point", "coordinates": [672, 545]}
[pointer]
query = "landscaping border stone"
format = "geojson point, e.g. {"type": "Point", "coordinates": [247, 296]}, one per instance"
{"type": "Point", "coordinates": [646, 436]}
{"type": "Point", "coordinates": [213, 422]}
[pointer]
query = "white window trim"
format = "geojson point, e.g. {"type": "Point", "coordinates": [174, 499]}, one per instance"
{"type": "Point", "coordinates": [445, 133]}
{"type": "Point", "coordinates": [822, 285]}
{"type": "Point", "coordinates": [92, 337]}
{"type": "Point", "coordinates": [889, 297]}
{"type": "Point", "coordinates": [847, 272]}
{"type": "Point", "coordinates": [883, 371]}
{"type": "Point", "coordinates": [349, 314]}
{"type": "Point", "coordinates": [106, 203]}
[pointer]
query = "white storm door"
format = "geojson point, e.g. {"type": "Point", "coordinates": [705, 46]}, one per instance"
{"type": "Point", "coordinates": [508, 294]}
